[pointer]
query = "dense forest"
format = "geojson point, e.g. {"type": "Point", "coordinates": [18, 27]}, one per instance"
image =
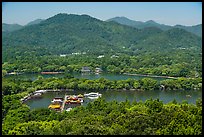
{"type": "Point", "coordinates": [38, 47]}
{"type": "Point", "coordinates": [66, 43]}
{"type": "Point", "coordinates": [100, 117]}
{"type": "Point", "coordinates": [176, 64]}
{"type": "Point", "coordinates": [151, 117]}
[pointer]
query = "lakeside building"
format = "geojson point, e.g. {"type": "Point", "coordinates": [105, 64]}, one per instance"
{"type": "Point", "coordinates": [85, 69]}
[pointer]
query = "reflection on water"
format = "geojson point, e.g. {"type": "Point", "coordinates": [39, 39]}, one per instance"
{"type": "Point", "coordinates": [90, 76]}
{"type": "Point", "coordinates": [165, 96]}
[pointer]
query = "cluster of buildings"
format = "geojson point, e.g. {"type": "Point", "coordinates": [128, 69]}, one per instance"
{"type": "Point", "coordinates": [74, 53]}
{"type": "Point", "coordinates": [88, 70]}
{"type": "Point", "coordinates": [70, 101]}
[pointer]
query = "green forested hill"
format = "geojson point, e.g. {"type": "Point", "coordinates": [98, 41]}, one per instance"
{"type": "Point", "coordinates": [150, 50]}
{"type": "Point", "coordinates": [73, 33]}
{"type": "Point", "coordinates": [197, 29]}
{"type": "Point", "coordinates": [171, 40]}
{"type": "Point", "coordinates": [63, 34]}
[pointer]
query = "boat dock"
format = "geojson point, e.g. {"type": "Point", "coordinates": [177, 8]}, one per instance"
{"type": "Point", "coordinates": [71, 101]}
{"type": "Point", "coordinates": [63, 104]}
{"type": "Point", "coordinates": [76, 100]}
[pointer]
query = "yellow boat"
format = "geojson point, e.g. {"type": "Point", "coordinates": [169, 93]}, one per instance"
{"type": "Point", "coordinates": [54, 106]}
{"type": "Point", "coordinates": [80, 96]}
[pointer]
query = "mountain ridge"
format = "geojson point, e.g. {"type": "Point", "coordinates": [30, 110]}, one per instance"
{"type": "Point", "coordinates": [68, 33]}
{"type": "Point", "coordinates": [13, 27]}
{"type": "Point", "coordinates": [10, 27]}
{"type": "Point", "coordinates": [196, 29]}
{"type": "Point", "coordinates": [37, 21]}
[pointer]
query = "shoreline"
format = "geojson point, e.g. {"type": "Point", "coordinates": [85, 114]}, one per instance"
{"type": "Point", "coordinates": [154, 76]}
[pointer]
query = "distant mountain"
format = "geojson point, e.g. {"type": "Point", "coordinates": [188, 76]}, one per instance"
{"type": "Point", "coordinates": [10, 27]}
{"type": "Point", "coordinates": [197, 29]}
{"type": "Point", "coordinates": [68, 33]}
{"type": "Point", "coordinates": [37, 21]}
{"type": "Point", "coordinates": [139, 24]}
{"type": "Point", "coordinates": [171, 40]}
{"type": "Point", "coordinates": [126, 21]}
{"type": "Point", "coordinates": [14, 27]}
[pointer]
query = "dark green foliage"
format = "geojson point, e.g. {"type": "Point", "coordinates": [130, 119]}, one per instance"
{"type": "Point", "coordinates": [63, 34]}
{"type": "Point", "coordinates": [152, 51]}
{"type": "Point", "coordinates": [13, 86]}
{"type": "Point", "coordinates": [176, 64]}
{"type": "Point", "coordinates": [109, 118]}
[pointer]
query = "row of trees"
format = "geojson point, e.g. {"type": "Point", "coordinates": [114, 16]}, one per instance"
{"type": "Point", "coordinates": [13, 86]}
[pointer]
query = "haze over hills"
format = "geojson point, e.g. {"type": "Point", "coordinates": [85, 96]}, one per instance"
{"type": "Point", "coordinates": [13, 27]}
{"type": "Point", "coordinates": [139, 24]}
{"type": "Point", "coordinates": [68, 33]}
{"type": "Point", "coordinates": [10, 27]}
{"type": "Point", "coordinates": [37, 21]}
{"type": "Point", "coordinates": [197, 29]}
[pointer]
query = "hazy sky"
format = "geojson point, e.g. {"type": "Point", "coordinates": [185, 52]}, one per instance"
{"type": "Point", "coordinates": [169, 13]}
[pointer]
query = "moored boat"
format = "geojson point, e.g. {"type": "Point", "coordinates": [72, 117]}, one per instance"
{"type": "Point", "coordinates": [57, 100]}
{"type": "Point", "coordinates": [93, 94]}
{"type": "Point", "coordinates": [61, 98]}
{"type": "Point", "coordinates": [80, 97]}
{"type": "Point", "coordinates": [72, 98]}
{"type": "Point", "coordinates": [73, 102]}
{"type": "Point", "coordinates": [50, 72]}
{"type": "Point", "coordinates": [40, 91]}
{"type": "Point", "coordinates": [54, 106]}
{"type": "Point", "coordinates": [36, 95]}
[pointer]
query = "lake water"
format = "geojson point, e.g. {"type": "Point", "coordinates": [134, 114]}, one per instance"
{"type": "Point", "coordinates": [108, 76]}
{"type": "Point", "coordinates": [165, 96]}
